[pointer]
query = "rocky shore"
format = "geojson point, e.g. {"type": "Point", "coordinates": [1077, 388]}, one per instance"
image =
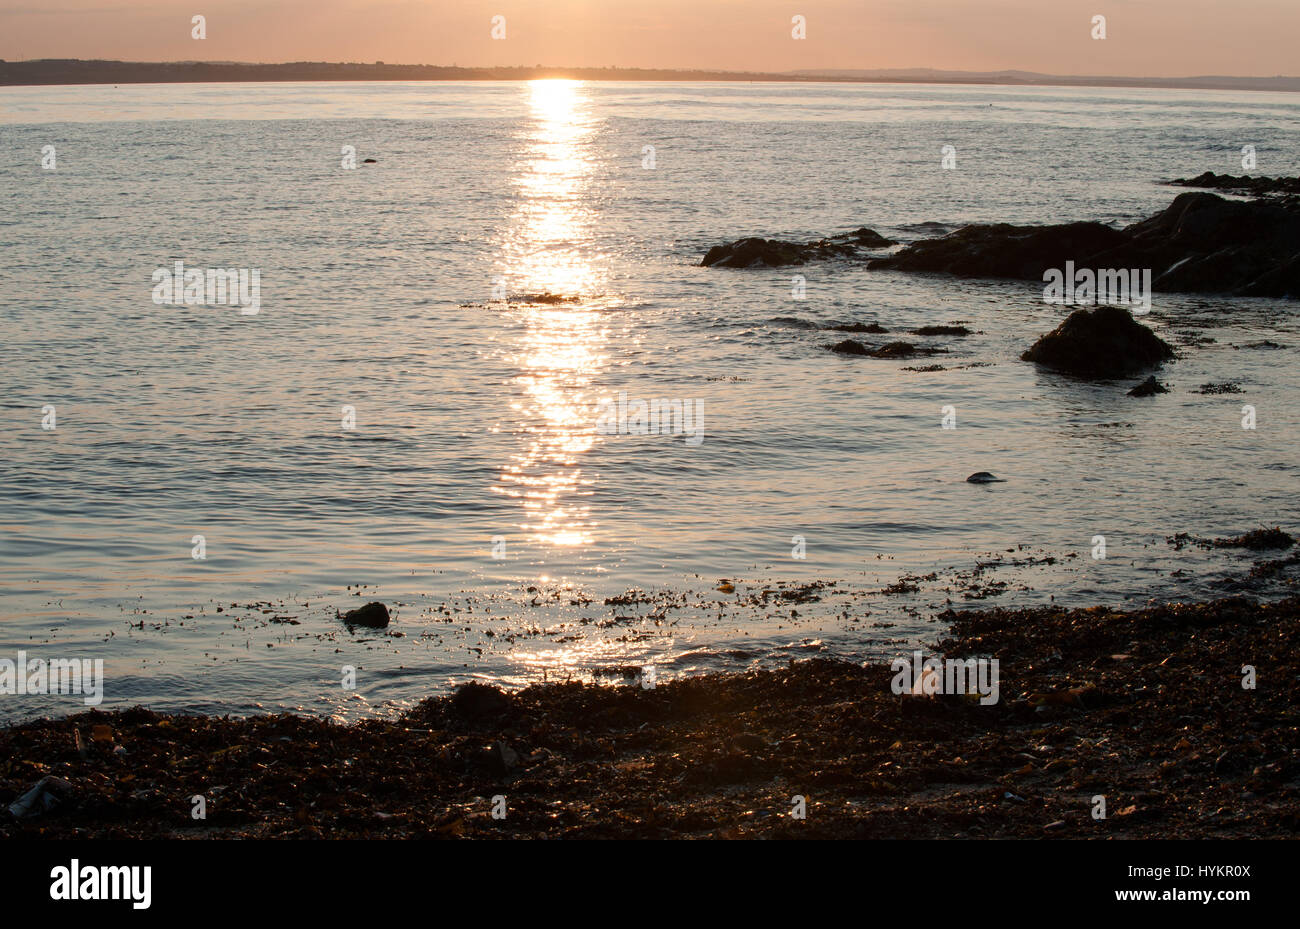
{"type": "Point", "coordinates": [1182, 717]}
{"type": "Point", "coordinates": [1200, 243]}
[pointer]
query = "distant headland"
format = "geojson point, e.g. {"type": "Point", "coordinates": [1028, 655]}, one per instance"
{"type": "Point", "coordinates": [77, 71]}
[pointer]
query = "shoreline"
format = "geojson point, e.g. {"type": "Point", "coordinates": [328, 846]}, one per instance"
{"type": "Point", "coordinates": [1145, 708]}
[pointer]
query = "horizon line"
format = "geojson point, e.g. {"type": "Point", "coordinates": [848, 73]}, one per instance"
{"type": "Point", "coordinates": [381, 70]}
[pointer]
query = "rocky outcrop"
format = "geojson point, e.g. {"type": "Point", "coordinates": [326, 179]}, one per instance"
{"type": "Point", "coordinates": [1245, 184]}
{"type": "Point", "coordinates": [773, 253]}
{"type": "Point", "coordinates": [1200, 243]}
{"type": "Point", "coordinates": [1099, 343]}
{"type": "Point", "coordinates": [1003, 250]}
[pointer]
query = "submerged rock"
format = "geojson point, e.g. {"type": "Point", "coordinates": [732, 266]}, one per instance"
{"type": "Point", "coordinates": [888, 350]}
{"type": "Point", "coordinates": [372, 615]}
{"type": "Point", "coordinates": [1099, 343]}
{"type": "Point", "coordinates": [1148, 388]}
{"type": "Point", "coordinates": [873, 328]}
{"type": "Point", "coordinates": [941, 330]}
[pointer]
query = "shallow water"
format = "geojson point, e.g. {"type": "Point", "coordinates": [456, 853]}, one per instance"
{"type": "Point", "coordinates": [475, 418]}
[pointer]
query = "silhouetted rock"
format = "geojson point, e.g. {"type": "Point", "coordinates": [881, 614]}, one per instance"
{"type": "Point", "coordinates": [869, 238]}
{"type": "Point", "coordinates": [1003, 250]}
{"type": "Point", "coordinates": [889, 350]}
{"type": "Point", "coordinates": [1101, 342]}
{"type": "Point", "coordinates": [1259, 186]}
{"type": "Point", "coordinates": [984, 477]}
{"type": "Point", "coordinates": [1148, 388]}
{"type": "Point", "coordinates": [941, 330]}
{"type": "Point", "coordinates": [755, 252]}
{"type": "Point", "coordinates": [1200, 243]}
{"type": "Point", "coordinates": [874, 328]}
{"type": "Point", "coordinates": [372, 615]}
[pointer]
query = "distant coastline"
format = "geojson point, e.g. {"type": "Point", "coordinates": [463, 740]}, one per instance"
{"type": "Point", "coordinates": [50, 71]}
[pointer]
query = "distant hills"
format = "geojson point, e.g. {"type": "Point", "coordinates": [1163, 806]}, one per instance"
{"type": "Point", "coordinates": [76, 71]}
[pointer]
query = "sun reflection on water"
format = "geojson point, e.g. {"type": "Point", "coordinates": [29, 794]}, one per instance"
{"type": "Point", "coordinates": [553, 278]}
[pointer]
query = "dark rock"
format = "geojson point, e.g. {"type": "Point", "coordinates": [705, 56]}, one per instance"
{"type": "Point", "coordinates": [889, 350]}
{"type": "Point", "coordinates": [873, 328]}
{"type": "Point", "coordinates": [1148, 387]}
{"type": "Point", "coordinates": [941, 330]}
{"type": "Point", "coordinates": [901, 350]}
{"type": "Point", "coordinates": [1258, 540]}
{"type": "Point", "coordinates": [984, 477]}
{"type": "Point", "coordinates": [1003, 250]}
{"type": "Point", "coordinates": [474, 701]}
{"type": "Point", "coordinates": [1098, 343]}
{"type": "Point", "coordinates": [1258, 186]}
{"type": "Point", "coordinates": [372, 615]}
{"type": "Point", "coordinates": [754, 252]}
{"type": "Point", "coordinates": [1200, 243]}
{"type": "Point", "coordinates": [869, 238]}
{"type": "Point", "coordinates": [370, 161]}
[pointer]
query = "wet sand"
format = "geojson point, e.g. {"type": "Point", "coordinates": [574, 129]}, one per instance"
{"type": "Point", "coordinates": [1144, 708]}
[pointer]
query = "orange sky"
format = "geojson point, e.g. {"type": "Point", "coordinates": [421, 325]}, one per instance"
{"type": "Point", "coordinates": [1145, 37]}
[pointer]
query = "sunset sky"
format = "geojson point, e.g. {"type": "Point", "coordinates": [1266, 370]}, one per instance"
{"type": "Point", "coordinates": [1145, 37]}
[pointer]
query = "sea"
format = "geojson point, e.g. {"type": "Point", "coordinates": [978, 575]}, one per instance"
{"type": "Point", "coordinates": [456, 285]}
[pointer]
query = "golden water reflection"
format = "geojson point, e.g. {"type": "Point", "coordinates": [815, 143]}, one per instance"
{"type": "Point", "coordinates": [553, 277]}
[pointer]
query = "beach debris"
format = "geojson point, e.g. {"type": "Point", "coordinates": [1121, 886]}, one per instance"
{"type": "Point", "coordinates": [372, 616]}
{"type": "Point", "coordinates": [48, 793]}
{"type": "Point", "coordinates": [101, 733]}
{"type": "Point", "coordinates": [726, 587]}
{"type": "Point", "coordinates": [1074, 696]}
{"type": "Point", "coordinates": [984, 477]}
{"type": "Point", "coordinates": [501, 758]}
{"type": "Point", "coordinates": [1099, 343]}
{"type": "Point", "coordinates": [1148, 387]}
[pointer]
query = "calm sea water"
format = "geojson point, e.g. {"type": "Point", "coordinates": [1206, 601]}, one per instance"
{"type": "Point", "coordinates": [474, 417]}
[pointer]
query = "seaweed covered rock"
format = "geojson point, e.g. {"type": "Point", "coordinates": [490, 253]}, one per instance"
{"type": "Point", "coordinates": [1099, 343]}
